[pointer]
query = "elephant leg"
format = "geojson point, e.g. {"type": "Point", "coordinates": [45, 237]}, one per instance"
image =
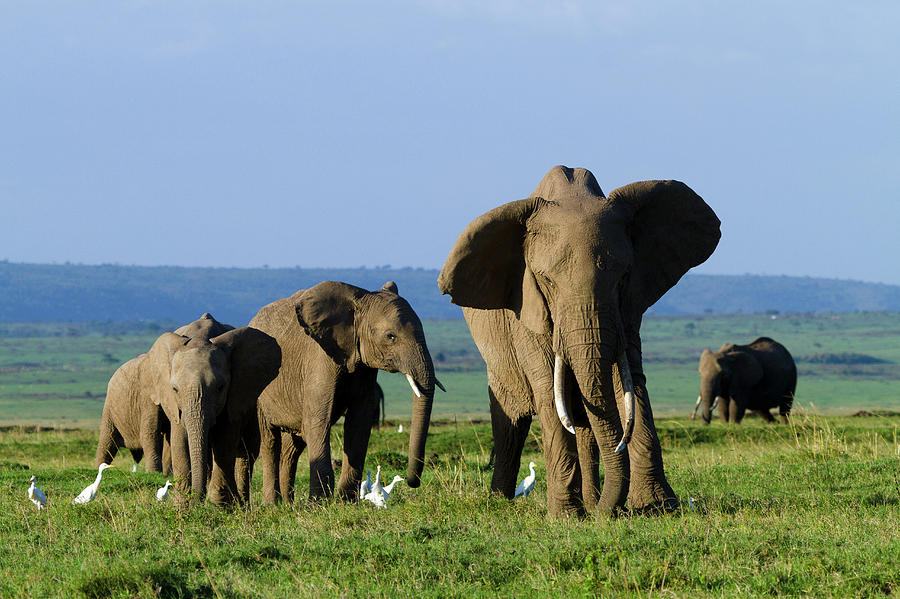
{"type": "Point", "coordinates": [166, 455]}
{"type": "Point", "coordinates": [509, 439]}
{"type": "Point", "coordinates": [589, 461]}
{"type": "Point", "coordinates": [648, 489]}
{"type": "Point", "coordinates": [784, 407]}
{"type": "Point", "coordinates": [269, 453]}
{"type": "Point", "coordinates": [725, 409]}
{"type": "Point", "coordinates": [248, 451]}
{"type": "Point", "coordinates": [291, 448]}
{"type": "Point", "coordinates": [766, 415]}
{"type": "Point", "coordinates": [222, 486]}
{"type": "Point", "coordinates": [109, 443]}
{"type": "Point", "coordinates": [357, 431]}
{"type": "Point", "coordinates": [736, 411]}
{"type": "Point", "coordinates": [151, 439]}
{"type": "Point", "coordinates": [321, 473]}
{"type": "Point", "coordinates": [181, 463]}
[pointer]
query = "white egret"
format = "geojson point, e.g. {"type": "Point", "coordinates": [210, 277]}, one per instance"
{"type": "Point", "coordinates": [163, 492]}
{"type": "Point", "coordinates": [380, 495]}
{"type": "Point", "coordinates": [400, 429]}
{"type": "Point", "coordinates": [387, 490]}
{"type": "Point", "coordinates": [90, 491]}
{"type": "Point", "coordinates": [134, 467]}
{"type": "Point", "coordinates": [365, 487]}
{"type": "Point", "coordinates": [36, 496]}
{"type": "Point", "coordinates": [527, 483]}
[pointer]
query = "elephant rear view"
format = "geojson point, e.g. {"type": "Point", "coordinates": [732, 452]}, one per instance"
{"type": "Point", "coordinates": [756, 377]}
{"type": "Point", "coordinates": [334, 338]}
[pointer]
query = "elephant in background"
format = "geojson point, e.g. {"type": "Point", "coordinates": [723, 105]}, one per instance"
{"type": "Point", "coordinates": [755, 377]}
{"type": "Point", "coordinates": [334, 338]}
{"type": "Point", "coordinates": [130, 417]}
{"type": "Point", "coordinates": [553, 288]}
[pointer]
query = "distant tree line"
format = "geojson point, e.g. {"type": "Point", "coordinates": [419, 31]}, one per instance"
{"type": "Point", "coordinates": [115, 293]}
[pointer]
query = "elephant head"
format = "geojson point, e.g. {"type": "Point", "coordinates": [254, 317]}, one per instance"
{"type": "Point", "coordinates": [580, 269]}
{"type": "Point", "coordinates": [722, 374]}
{"type": "Point", "coordinates": [200, 382]}
{"type": "Point", "coordinates": [359, 328]}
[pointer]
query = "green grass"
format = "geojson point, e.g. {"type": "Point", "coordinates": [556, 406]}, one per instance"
{"type": "Point", "coordinates": [57, 373]}
{"type": "Point", "coordinates": [811, 509]}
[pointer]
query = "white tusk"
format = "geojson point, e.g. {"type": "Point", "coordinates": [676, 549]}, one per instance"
{"type": "Point", "coordinates": [439, 385]}
{"type": "Point", "coordinates": [716, 402]}
{"type": "Point", "coordinates": [696, 407]}
{"type": "Point", "coordinates": [559, 393]}
{"type": "Point", "coordinates": [628, 388]}
{"type": "Point", "coordinates": [415, 387]}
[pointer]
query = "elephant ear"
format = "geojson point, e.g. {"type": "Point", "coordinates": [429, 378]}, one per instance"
{"type": "Point", "coordinates": [255, 359]}
{"type": "Point", "coordinates": [327, 312]}
{"type": "Point", "coordinates": [486, 268]}
{"type": "Point", "coordinates": [159, 370]}
{"type": "Point", "coordinates": [672, 230]}
{"type": "Point", "coordinates": [743, 368]}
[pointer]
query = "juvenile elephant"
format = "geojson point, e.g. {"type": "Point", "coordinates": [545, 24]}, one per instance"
{"type": "Point", "coordinates": [130, 417]}
{"type": "Point", "coordinates": [207, 388]}
{"type": "Point", "coordinates": [553, 288]}
{"type": "Point", "coordinates": [334, 338]}
{"type": "Point", "coordinates": [753, 377]}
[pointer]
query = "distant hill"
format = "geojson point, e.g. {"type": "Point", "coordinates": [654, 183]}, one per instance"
{"type": "Point", "coordinates": [78, 293]}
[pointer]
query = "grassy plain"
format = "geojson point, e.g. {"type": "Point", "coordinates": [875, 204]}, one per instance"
{"type": "Point", "coordinates": [58, 373]}
{"type": "Point", "coordinates": [810, 509]}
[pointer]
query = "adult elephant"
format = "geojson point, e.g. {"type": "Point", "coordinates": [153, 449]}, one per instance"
{"type": "Point", "coordinates": [756, 377]}
{"type": "Point", "coordinates": [334, 338]}
{"type": "Point", "coordinates": [553, 288]}
{"type": "Point", "coordinates": [130, 417]}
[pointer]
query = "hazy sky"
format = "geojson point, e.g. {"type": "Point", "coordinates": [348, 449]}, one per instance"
{"type": "Point", "coordinates": [361, 133]}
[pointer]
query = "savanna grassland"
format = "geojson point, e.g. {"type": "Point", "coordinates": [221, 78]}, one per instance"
{"type": "Point", "coordinates": [809, 509]}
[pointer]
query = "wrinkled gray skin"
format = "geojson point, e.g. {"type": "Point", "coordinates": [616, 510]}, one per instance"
{"type": "Point", "coordinates": [334, 338]}
{"type": "Point", "coordinates": [131, 419]}
{"type": "Point", "coordinates": [208, 389]}
{"type": "Point", "coordinates": [565, 276]}
{"type": "Point", "coordinates": [755, 377]}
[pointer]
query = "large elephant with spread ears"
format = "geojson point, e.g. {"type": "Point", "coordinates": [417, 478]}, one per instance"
{"type": "Point", "coordinates": [554, 288]}
{"type": "Point", "coordinates": [334, 338]}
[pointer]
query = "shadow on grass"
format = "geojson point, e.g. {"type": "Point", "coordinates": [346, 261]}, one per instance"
{"type": "Point", "coordinates": [160, 580]}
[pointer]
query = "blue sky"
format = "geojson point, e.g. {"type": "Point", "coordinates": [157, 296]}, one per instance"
{"type": "Point", "coordinates": [338, 134]}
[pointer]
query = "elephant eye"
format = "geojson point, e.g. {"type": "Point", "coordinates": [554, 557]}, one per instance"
{"type": "Point", "coordinates": [175, 388]}
{"type": "Point", "coordinates": [391, 337]}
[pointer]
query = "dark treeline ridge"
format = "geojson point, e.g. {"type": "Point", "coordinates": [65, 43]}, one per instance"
{"type": "Point", "coordinates": [116, 293]}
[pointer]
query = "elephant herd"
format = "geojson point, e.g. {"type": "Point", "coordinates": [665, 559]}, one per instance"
{"type": "Point", "coordinates": [553, 288]}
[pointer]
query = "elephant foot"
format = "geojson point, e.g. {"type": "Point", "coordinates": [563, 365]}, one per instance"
{"type": "Point", "coordinates": [565, 509]}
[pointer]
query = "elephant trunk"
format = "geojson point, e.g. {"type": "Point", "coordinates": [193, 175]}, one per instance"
{"type": "Point", "coordinates": [705, 401]}
{"type": "Point", "coordinates": [590, 346]}
{"type": "Point", "coordinates": [420, 376]}
{"type": "Point", "coordinates": [197, 428]}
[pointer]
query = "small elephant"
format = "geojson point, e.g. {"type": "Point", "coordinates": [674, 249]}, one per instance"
{"type": "Point", "coordinates": [553, 288]}
{"type": "Point", "coordinates": [334, 338]}
{"type": "Point", "coordinates": [753, 377]}
{"type": "Point", "coordinates": [131, 419]}
{"type": "Point", "coordinates": [207, 388]}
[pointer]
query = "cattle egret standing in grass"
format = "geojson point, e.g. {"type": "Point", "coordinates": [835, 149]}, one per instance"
{"type": "Point", "coordinates": [387, 490]}
{"type": "Point", "coordinates": [36, 496]}
{"type": "Point", "coordinates": [380, 495]}
{"type": "Point", "coordinates": [134, 467]}
{"type": "Point", "coordinates": [400, 429]}
{"type": "Point", "coordinates": [90, 491]}
{"type": "Point", "coordinates": [365, 487]}
{"type": "Point", "coordinates": [527, 484]}
{"type": "Point", "coordinates": [163, 492]}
